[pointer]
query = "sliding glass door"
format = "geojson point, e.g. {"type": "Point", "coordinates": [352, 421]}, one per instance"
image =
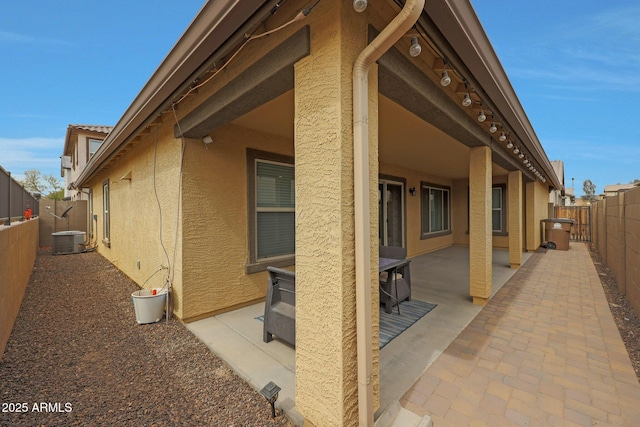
{"type": "Point", "coordinates": [391, 213]}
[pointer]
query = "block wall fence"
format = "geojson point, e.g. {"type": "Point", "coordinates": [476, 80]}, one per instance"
{"type": "Point", "coordinates": [616, 236]}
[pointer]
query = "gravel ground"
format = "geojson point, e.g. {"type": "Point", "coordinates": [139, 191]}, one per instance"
{"type": "Point", "coordinates": [76, 356]}
{"type": "Point", "coordinates": [626, 318]}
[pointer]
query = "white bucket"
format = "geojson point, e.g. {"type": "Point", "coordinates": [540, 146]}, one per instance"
{"type": "Point", "coordinates": [149, 308]}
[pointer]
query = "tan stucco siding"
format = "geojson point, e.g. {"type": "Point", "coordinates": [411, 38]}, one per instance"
{"type": "Point", "coordinates": [136, 220]}
{"type": "Point", "coordinates": [459, 215]}
{"type": "Point", "coordinates": [216, 220]}
{"type": "Point", "coordinates": [326, 375]}
{"type": "Point", "coordinates": [19, 245]}
{"type": "Point", "coordinates": [536, 209]}
{"type": "Point", "coordinates": [414, 243]}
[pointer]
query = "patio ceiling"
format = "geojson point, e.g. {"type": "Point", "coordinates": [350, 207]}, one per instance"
{"type": "Point", "coordinates": [405, 139]}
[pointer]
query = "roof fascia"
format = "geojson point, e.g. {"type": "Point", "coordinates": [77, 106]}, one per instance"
{"type": "Point", "coordinates": [216, 22]}
{"type": "Point", "coordinates": [461, 37]}
{"type": "Point", "coordinates": [67, 139]}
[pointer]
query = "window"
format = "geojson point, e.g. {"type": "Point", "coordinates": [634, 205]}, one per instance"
{"type": "Point", "coordinates": [498, 211]}
{"type": "Point", "coordinates": [105, 210]}
{"type": "Point", "coordinates": [91, 214]}
{"type": "Point", "coordinates": [435, 204]}
{"type": "Point", "coordinates": [271, 180]}
{"type": "Point", "coordinates": [94, 144]}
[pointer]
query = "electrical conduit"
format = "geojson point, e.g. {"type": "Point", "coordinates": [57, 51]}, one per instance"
{"type": "Point", "coordinates": [402, 23]}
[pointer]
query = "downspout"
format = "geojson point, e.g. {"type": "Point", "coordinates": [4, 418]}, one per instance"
{"type": "Point", "coordinates": [402, 23]}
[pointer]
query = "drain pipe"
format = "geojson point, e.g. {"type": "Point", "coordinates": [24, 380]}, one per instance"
{"type": "Point", "coordinates": [383, 42]}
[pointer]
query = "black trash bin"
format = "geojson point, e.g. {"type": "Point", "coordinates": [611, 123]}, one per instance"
{"type": "Point", "coordinates": [558, 231]}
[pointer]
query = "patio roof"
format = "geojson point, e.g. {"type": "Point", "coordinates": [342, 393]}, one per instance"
{"type": "Point", "coordinates": [220, 26]}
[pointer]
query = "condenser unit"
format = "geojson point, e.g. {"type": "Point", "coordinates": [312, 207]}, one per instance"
{"type": "Point", "coordinates": [67, 242]}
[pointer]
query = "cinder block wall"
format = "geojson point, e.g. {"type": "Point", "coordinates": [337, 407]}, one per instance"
{"type": "Point", "coordinates": [616, 236]}
{"type": "Point", "coordinates": [599, 228]}
{"type": "Point", "coordinates": [78, 218]}
{"type": "Point", "coordinates": [18, 246]}
{"type": "Point", "coordinates": [632, 249]}
{"type": "Point", "coordinates": [615, 247]}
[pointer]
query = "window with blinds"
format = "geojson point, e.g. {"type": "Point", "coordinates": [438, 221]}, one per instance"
{"type": "Point", "coordinates": [275, 209]}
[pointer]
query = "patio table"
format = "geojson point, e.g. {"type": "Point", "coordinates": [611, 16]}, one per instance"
{"type": "Point", "coordinates": [391, 265]}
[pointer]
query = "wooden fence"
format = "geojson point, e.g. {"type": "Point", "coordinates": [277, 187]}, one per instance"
{"type": "Point", "coordinates": [581, 216]}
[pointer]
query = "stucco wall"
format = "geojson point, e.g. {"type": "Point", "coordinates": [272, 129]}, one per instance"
{"type": "Point", "coordinates": [18, 246]}
{"type": "Point", "coordinates": [215, 229]}
{"type": "Point", "coordinates": [459, 210]}
{"type": "Point", "coordinates": [136, 220]}
{"type": "Point", "coordinates": [536, 209]}
{"type": "Point", "coordinates": [326, 377]}
{"type": "Point", "coordinates": [415, 245]}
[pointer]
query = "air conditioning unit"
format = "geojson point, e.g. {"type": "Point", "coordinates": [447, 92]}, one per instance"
{"type": "Point", "coordinates": [67, 242]}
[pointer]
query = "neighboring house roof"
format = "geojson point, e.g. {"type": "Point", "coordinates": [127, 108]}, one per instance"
{"type": "Point", "coordinates": [220, 27]}
{"type": "Point", "coordinates": [615, 188]}
{"type": "Point", "coordinates": [93, 128]}
{"type": "Point", "coordinates": [73, 130]}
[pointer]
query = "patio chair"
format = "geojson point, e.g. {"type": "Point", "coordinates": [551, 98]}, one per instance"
{"type": "Point", "coordinates": [280, 306]}
{"type": "Point", "coordinates": [389, 280]}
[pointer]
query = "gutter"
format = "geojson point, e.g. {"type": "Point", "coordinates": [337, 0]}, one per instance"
{"type": "Point", "coordinates": [456, 30]}
{"type": "Point", "coordinates": [212, 34]}
{"type": "Point", "coordinates": [381, 44]}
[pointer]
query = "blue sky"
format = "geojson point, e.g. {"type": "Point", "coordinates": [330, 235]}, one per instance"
{"type": "Point", "coordinates": [76, 61]}
{"type": "Point", "coordinates": [574, 66]}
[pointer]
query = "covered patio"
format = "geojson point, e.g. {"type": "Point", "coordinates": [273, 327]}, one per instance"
{"type": "Point", "coordinates": [440, 277]}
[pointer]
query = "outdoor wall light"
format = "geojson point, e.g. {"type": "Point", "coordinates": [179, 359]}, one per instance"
{"type": "Point", "coordinates": [359, 5]}
{"type": "Point", "coordinates": [207, 140]}
{"type": "Point", "coordinates": [270, 392]}
{"type": "Point", "coordinates": [415, 48]}
{"type": "Point", "coordinates": [509, 144]}
{"type": "Point", "coordinates": [502, 137]}
{"type": "Point", "coordinates": [466, 101]}
{"type": "Point", "coordinates": [521, 155]}
{"type": "Point", "coordinates": [516, 150]}
{"type": "Point", "coordinates": [445, 80]}
{"type": "Point", "coordinates": [493, 128]}
{"type": "Point", "coordinates": [412, 191]}
{"type": "Point", "coordinates": [481, 116]}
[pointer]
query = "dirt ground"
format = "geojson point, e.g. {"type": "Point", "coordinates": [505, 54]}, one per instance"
{"type": "Point", "coordinates": [76, 356]}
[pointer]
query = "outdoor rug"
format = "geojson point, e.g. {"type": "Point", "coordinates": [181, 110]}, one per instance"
{"type": "Point", "coordinates": [392, 325]}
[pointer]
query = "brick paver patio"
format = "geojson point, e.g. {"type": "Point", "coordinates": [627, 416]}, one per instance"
{"type": "Point", "coordinates": [545, 351]}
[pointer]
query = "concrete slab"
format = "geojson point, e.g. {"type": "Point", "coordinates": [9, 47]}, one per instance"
{"type": "Point", "coordinates": [236, 337]}
{"type": "Point", "coordinates": [441, 277]}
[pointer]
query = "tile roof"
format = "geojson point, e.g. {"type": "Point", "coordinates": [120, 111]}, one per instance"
{"type": "Point", "coordinates": [93, 128]}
